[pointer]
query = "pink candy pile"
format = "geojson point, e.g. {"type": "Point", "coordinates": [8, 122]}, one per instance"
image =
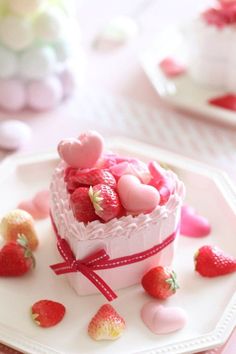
{"type": "Point", "coordinates": [116, 186]}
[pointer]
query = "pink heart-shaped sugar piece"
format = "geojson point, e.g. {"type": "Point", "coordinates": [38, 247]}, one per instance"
{"type": "Point", "coordinates": [41, 202]}
{"type": "Point", "coordinates": [135, 196]}
{"type": "Point", "coordinates": [192, 224]}
{"type": "Point", "coordinates": [83, 152]}
{"type": "Point", "coordinates": [162, 320]}
{"type": "Point", "coordinates": [127, 168]}
{"type": "Point", "coordinates": [28, 206]}
{"type": "Point", "coordinates": [38, 207]}
{"type": "Point", "coordinates": [171, 67]}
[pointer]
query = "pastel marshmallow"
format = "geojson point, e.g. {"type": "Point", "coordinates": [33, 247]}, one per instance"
{"type": "Point", "coordinates": [67, 78]}
{"type": "Point", "coordinates": [12, 95]}
{"type": "Point", "coordinates": [45, 94]}
{"type": "Point", "coordinates": [49, 26]}
{"type": "Point", "coordinates": [14, 134]}
{"type": "Point", "coordinates": [37, 62]}
{"type": "Point", "coordinates": [8, 63]}
{"type": "Point", "coordinates": [25, 7]}
{"type": "Point", "coordinates": [63, 49]}
{"type": "Point", "coordinates": [162, 319]}
{"type": "Point", "coordinates": [16, 33]}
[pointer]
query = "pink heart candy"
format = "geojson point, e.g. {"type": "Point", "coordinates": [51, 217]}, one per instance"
{"type": "Point", "coordinates": [38, 207]}
{"type": "Point", "coordinates": [83, 152]}
{"type": "Point", "coordinates": [135, 196]}
{"type": "Point", "coordinates": [171, 67]}
{"type": "Point", "coordinates": [192, 224]}
{"type": "Point", "coordinates": [162, 320]}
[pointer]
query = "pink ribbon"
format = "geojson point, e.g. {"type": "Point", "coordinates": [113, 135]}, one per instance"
{"type": "Point", "coordinates": [100, 260]}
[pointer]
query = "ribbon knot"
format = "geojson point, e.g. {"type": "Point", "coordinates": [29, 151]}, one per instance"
{"type": "Point", "coordinates": [100, 260]}
{"type": "Point", "coordinates": [84, 266]}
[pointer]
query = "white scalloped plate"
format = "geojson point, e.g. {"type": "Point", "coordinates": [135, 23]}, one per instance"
{"type": "Point", "coordinates": [181, 91]}
{"type": "Point", "coordinates": [210, 304]}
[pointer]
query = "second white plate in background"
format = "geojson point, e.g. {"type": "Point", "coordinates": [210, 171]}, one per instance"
{"type": "Point", "coordinates": [181, 91]}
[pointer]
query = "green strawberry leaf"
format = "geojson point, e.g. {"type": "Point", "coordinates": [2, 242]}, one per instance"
{"type": "Point", "coordinates": [96, 199]}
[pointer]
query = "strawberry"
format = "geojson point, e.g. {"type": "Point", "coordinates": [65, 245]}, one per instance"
{"type": "Point", "coordinates": [16, 258]}
{"type": "Point", "coordinates": [90, 178]}
{"type": "Point", "coordinates": [212, 262]}
{"type": "Point", "coordinates": [107, 324]}
{"type": "Point", "coordinates": [69, 172]}
{"type": "Point", "coordinates": [160, 282]}
{"type": "Point", "coordinates": [82, 206]}
{"type": "Point", "coordinates": [106, 202]}
{"type": "Point", "coordinates": [47, 313]}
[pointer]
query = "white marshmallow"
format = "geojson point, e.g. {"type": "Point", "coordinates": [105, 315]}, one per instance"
{"type": "Point", "coordinates": [49, 26]}
{"type": "Point", "coordinates": [16, 33]}
{"type": "Point", "coordinates": [14, 134]}
{"type": "Point", "coordinates": [25, 7]}
{"type": "Point", "coordinates": [37, 63]}
{"type": "Point", "coordinates": [8, 63]}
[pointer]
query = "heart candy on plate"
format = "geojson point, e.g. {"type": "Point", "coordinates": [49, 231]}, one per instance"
{"type": "Point", "coordinates": [193, 224]}
{"type": "Point", "coordinates": [171, 67]}
{"type": "Point", "coordinates": [162, 319]}
{"type": "Point", "coordinates": [38, 206]}
{"type": "Point", "coordinates": [83, 152]}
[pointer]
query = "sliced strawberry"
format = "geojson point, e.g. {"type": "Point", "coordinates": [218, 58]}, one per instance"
{"type": "Point", "coordinates": [47, 313]}
{"type": "Point", "coordinates": [107, 324]}
{"type": "Point", "coordinates": [82, 206]}
{"type": "Point", "coordinates": [105, 201]}
{"type": "Point", "coordinates": [212, 262]}
{"type": "Point", "coordinates": [160, 282]}
{"type": "Point", "coordinates": [16, 258]}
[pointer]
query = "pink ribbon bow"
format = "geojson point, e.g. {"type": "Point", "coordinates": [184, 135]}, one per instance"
{"type": "Point", "coordinates": [100, 260]}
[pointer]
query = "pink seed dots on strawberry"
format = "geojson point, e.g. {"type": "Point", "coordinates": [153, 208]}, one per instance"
{"type": "Point", "coordinates": [107, 324]}
{"type": "Point", "coordinates": [210, 261]}
{"type": "Point", "coordinates": [47, 313]}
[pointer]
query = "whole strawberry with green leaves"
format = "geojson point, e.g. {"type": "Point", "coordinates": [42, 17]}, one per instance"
{"type": "Point", "coordinates": [16, 258]}
{"type": "Point", "coordinates": [160, 282]}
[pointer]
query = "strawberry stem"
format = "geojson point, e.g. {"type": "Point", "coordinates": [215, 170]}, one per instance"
{"type": "Point", "coordinates": [23, 242]}
{"type": "Point", "coordinates": [95, 198]}
{"type": "Point", "coordinates": [172, 281]}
